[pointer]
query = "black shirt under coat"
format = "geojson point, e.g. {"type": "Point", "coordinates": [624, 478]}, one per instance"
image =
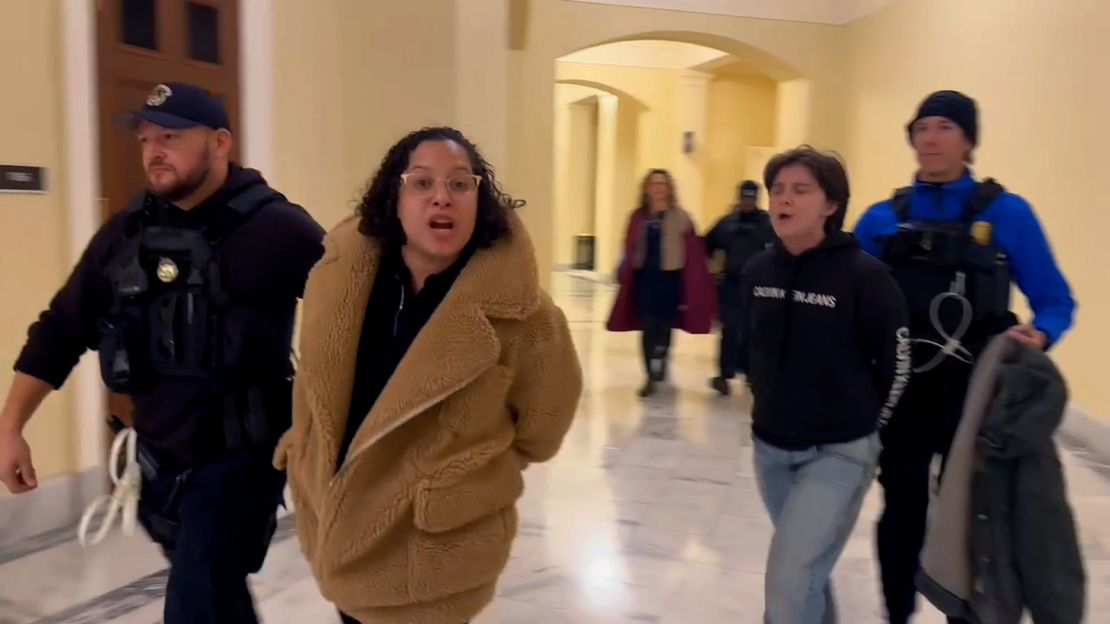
{"type": "Point", "coordinates": [395, 314]}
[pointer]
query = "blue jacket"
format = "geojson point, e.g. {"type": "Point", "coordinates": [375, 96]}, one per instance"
{"type": "Point", "coordinates": [1015, 229]}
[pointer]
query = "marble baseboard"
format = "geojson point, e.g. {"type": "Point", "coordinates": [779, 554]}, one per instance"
{"type": "Point", "coordinates": [35, 520]}
{"type": "Point", "coordinates": [598, 277]}
{"type": "Point", "coordinates": [1090, 433]}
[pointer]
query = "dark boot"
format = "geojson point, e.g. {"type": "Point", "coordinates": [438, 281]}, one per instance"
{"type": "Point", "coordinates": [720, 384]}
{"type": "Point", "coordinates": [647, 390]}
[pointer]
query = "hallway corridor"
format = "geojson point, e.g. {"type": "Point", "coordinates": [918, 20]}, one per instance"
{"type": "Point", "coordinates": [649, 514]}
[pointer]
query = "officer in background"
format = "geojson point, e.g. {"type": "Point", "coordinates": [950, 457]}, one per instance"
{"type": "Point", "coordinates": [955, 245]}
{"type": "Point", "coordinates": [741, 235]}
{"type": "Point", "coordinates": [189, 298]}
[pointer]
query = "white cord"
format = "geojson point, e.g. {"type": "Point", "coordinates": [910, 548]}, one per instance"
{"type": "Point", "coordinates": [952, 347]}
{"type": "Point", "coordinates": [124, 499]}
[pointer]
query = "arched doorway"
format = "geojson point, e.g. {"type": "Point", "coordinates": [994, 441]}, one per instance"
{"type": "Point", "coordinates": [625, 106]}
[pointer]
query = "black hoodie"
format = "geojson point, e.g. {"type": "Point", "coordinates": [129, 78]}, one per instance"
{"type": "Point", "coordinates": [265, 262]}
{"type": "Point", "coordinates": [826, 343]}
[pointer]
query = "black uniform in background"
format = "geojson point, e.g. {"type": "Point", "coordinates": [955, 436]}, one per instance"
{"type": "Point", "coordinates": [741, 236]}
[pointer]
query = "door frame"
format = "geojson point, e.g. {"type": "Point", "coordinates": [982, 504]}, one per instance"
{"type": "Point", "coordinates": [81, 175]}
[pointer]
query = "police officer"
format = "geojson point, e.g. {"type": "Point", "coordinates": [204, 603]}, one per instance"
{"type": "Point", "coordinates": [189, 298]}
{"type": "Point", "coordinates": [955, 245]}
{"type": "Point", "coordinates": [741, 234]}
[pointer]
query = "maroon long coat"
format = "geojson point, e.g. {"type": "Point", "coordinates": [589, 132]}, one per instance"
{"type": "Point", "coordinates": [698, 303]}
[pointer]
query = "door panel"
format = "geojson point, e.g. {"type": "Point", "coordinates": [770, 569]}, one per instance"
{"type": "Point", "coordinates": [142, 43]}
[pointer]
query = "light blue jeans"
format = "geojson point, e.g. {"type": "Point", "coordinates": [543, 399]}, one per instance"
{"type": "Point", "coordinates": [813, 497]}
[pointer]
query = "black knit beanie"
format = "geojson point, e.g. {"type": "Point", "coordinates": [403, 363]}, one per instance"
{"type": "Point", "coordinates": [951, 105]}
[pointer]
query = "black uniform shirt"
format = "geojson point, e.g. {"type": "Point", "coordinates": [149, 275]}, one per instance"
{"type": "Point", "coordinates": [265, 263]}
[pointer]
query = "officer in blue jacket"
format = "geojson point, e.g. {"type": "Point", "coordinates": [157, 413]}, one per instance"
{"type": "Point", "coordinates": [955, 245]}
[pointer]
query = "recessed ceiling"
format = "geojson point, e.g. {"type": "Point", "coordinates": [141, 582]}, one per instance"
{"type": "Point", "coordinates": [837, 12]}
{"type": "Point", "coordinates": [655, 54]}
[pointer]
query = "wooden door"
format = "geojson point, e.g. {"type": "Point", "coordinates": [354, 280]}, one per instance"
{"type": "Point", "coordinates": [140, 44]}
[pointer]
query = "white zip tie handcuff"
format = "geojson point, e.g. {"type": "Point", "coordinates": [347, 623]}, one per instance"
{"type": "Point", "coordinates": [952, 347]}
{"type": "Point", "coordinates": [124, 499]}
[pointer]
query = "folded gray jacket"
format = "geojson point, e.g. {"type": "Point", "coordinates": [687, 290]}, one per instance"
{"type": "Point", "coordinates": [1002, 537]}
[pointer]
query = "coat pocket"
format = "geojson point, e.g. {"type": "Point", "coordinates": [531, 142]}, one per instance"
{"type": "Point", "coordinates": [441, 507]}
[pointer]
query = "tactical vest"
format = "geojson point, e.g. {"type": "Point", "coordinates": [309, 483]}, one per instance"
{"type": "Point", "coordinates": [955, 277]}
{"type": "Point", "coordinates": [170, 318]}
{"type": "Point", "coordinates": [749, 236]}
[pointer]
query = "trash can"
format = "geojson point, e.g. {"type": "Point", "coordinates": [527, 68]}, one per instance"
{"type": "Point", "coordinates": [584, 252]}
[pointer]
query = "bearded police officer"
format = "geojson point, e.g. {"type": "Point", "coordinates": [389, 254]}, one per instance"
{"type": "Point", "coordinates": [955, 245]}
{"type": "Point", "coordinates": [741, 235]}
{"type": "Point", "coordinates": [189, 297]}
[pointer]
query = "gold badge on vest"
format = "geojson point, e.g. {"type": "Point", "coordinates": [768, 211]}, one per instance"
{"type": "Point", "coordinates": [167, 270]}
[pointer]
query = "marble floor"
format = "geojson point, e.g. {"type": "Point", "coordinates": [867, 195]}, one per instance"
{"type": "Point", "coordinates": [649, 514]}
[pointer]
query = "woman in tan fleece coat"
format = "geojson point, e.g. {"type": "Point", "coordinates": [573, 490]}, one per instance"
{"type": "Point", "coordinates": [433, 370]}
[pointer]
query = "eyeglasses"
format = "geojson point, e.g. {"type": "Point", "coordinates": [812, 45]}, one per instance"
{"type": "Point", "coordinates": [423, 184]}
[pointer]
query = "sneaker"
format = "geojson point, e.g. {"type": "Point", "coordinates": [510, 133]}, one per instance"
{"type": "Point", "coordinates": [647, 390]}
{"type": "Point", "coordinates": [720, 384]}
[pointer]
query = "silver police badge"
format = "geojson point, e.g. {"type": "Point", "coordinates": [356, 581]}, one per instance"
{"type": "Point", "coordinates": [167, 270]}
{"type": "Point", "coordinates": [159, 95]}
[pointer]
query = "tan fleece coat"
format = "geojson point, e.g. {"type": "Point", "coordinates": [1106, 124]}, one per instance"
{"type": "Point", "coordinates": [415, 525]}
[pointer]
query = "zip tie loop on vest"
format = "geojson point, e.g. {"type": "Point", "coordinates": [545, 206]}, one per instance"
{"type": "Point", "coordinates": [952, 345]}
{"type": "Point", "coordinates": [124, 499]}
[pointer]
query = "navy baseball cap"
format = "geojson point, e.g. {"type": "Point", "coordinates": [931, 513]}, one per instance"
{"type": "Point", "coordinates": [178, 106]}
{"type": "Point", "coordinates": [749, 189]}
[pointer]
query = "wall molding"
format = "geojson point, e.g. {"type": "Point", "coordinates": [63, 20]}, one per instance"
{"type": "Point", "coordinates": [831, 13]}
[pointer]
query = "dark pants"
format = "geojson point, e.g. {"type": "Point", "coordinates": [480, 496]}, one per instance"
{"type": "Point", "coordinates": [923, 426]}
{"type": "Point", "coordinates": [214, 522]}
{"type": "Point", "coordinates": [731, 325]}
{"type": "Point", "coordinates": [656, 337]}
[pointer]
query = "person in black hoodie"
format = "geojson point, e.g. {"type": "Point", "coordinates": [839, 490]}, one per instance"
{"type": "Point", "coordinates": [827, 350]}
{"type": "Point", "coordinates": [189, 297]}
{"type": "Point", "coordinates": [741, 235]}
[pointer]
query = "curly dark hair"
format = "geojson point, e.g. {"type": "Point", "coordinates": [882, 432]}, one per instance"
{"type": "Point", "coordinates": [378, 207]}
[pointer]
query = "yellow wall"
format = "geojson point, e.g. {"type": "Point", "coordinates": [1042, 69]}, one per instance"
{"type": "Point", "coordinates": [741, 115]}
{"type": "Point", "coordinates": [577, 119]}
{"type": "Point", "coordinates": [583, 166]}
{"type": "Point", "coordinates": [397, 76]}
{"type": "Point", "coordinates": [562, 196]}
{"type": "Point", "coordinates": [1043, 118]}
{"type": "Point", "coordinates": [365, 74]}
{"type": "Point", "coordinates": [783, 50]}
{"type": "Point", "coordinates": [791, 119]}
{"type": "Point", "coordinates": [380, 69]}
{"type": "Point", "coordinates": [730, 113]}
{"type": "Point", "coordinates": [655, 91]}
{"type": "Point", "coordinates": [616, 131]}
{"type": "Point", "coordinates": [310, 127]}
{"type": "Point", "coordinates": [33, 228]}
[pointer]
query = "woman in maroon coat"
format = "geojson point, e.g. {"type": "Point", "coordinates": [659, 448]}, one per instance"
{"type": "Point", "coordinates": [664, 278]}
